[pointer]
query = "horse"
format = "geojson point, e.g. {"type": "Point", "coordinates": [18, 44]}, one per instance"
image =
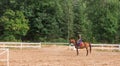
{"type": "Point", "coordinates": [71, 46]}
{"type": "Point", "coordinates": [86, 45]}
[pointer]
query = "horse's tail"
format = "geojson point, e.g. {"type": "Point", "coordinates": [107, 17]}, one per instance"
{"type": "Point", "coordinates": [90, 47]}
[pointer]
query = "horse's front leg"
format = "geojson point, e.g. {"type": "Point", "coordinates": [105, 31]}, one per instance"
{"type": "Point", "coordinates": [87, 51]}
{"type": "Point", "coordinates": [77, 51]}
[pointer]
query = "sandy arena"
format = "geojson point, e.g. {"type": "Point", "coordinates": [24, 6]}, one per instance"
{"type": "Point", "coordinates": [61, 56]}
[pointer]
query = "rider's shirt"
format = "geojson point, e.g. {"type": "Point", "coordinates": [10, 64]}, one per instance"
{"type": "Point", "coordinates": [79, 42]}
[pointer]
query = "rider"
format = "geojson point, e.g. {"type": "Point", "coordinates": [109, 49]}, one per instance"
{"type": "Point", "coordinates": [79, 41]}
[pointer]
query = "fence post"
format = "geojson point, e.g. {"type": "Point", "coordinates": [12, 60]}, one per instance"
{"type": "Point", "coordinates": [102, 47]}
{"type": "Point", "coordinates": [8, 57]}
{"type": "Point", "coordinates": [5, 51]}
{"type": "Point", "coordinates": [119, 47]}
{"type": "Point", "coordinates": [21, 45]}
{"type": "Point", "coordinates": [4, 45]}
{"type": "Point", "coordinates": [40, 44]}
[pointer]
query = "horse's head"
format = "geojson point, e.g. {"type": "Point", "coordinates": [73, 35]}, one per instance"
{"type": "Point", "coordinates": [73, 41]}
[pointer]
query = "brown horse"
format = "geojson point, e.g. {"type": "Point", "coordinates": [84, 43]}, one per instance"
{"type": "Point", "coordinates": [86, 45]}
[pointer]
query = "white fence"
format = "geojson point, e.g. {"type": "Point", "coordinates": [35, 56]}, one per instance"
{"type": "Point", "coordinates": [55, 43]}
{"type": "Point", "coordinates": [4, 45]}
{"type": "Point", "coordinates": [106, 46]}
{"type": "Point", "coordinates": [38, 45]}
{"type": "Point", "coordinates": [19, 45]}
{"type": "Point", "coordinates": [5, 51]}
{"type": "Point", "coordinates": [95, 46]}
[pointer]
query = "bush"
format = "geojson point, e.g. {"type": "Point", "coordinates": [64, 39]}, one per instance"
{"type": "Point", "coordinates": [7, 38]}
{"type": "Point", "coordinates": [59, 40]}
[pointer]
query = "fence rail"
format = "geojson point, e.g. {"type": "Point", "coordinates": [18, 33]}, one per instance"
{"type": "Point", "coordinates": [95, 46]}
{"type": "Point", "coordinates": [38, 45]}
{"type": "Point", "coordinates": [107, 46]}
{"type": "Point", "coordinates": [5, 51]}
{"type": "Point", "coordinates": [19, 45]}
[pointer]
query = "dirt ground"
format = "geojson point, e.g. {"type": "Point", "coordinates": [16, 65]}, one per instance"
{"type": "Point", "coordinates": [61, 56]}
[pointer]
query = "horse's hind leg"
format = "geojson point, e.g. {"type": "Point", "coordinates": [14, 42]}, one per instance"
{"type": "Point", "coordinates": [77, 51]}
{"type": "Point", "coordinates": [87, 51]}
{"type": "Point", "coordinates": [90, 47]}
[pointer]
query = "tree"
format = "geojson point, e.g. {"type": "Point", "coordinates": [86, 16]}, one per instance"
{"type": "Point", "coordinates": [104, 18]}
{"type": "Point", "coordinates": [43, 25]}
{"type": "Point", "coordinates": [14, 25]}
{"type": "Point", "coordinates": [81, 23]}
{"type": "Point", "coordinates": [67, 7]}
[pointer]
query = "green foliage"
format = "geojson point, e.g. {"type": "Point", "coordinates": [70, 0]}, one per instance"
{"type": "Point", "coordinates": [81, 23]}
{"type": "Point", "coordinates": [59, 40]}
{"type": "Point", "coordinates": [14, 25]}
{"type": "Point", "coordinates": [8, 38]}
{"type": "Point", "coordinates": [104, 18]}
{"type": "Point", "coordinates": [57, 20]}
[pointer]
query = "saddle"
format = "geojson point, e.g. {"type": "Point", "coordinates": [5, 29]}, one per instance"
{"type": "Point", "coordinates": [81, 44]}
